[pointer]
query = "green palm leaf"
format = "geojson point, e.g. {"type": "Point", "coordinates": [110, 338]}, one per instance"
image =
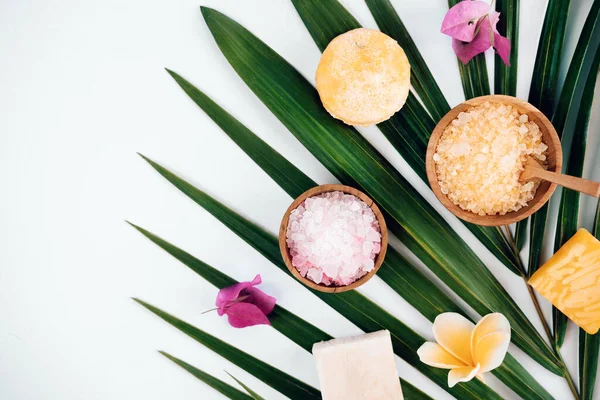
{"type": "Point", "coordinates": [568, 213]}
{"type": "Point", "coordinates": [505, 77]}
{"type": "Point", "coordinates": [273, 377]}
{"type": "Point", "coordinates": [521, 233]}
{"type": "Point", "coordinates": [284, 172]}
{"type": "Point", "coordinates": [352, 305]}
{"type": "Point", "coordinates": [544, 82]}
{"type": "Point", "coordinates": [408, 132]}
{"type": "Point", "coordinates": [409, 129]}
{"type": "Point", "coordinates": [575, 72]}
{"type": "Point", "coordinates": [421, 77]}
{"type": "Point", "coordinates": [293, 327]}
{"type": "Point", "coordinates": [355, 162]}
{"type": "Point", "coordinates": [251, 392]}
{"type": "Point", "coordinates": [401, 276]}
{"type": "Point", "coordinates": [300, 331]}
{"type": "Point", "coordinates": [589, 346]}
{"type": "Point", "coordinates": [542, 94]}
{"type": "Point", "coordinates": [537, 229]}
{"type": "Point", "coordinates": [474, 78]}
{"type": "Point", "coordinates": [474, 75]}
{"type": "Point", "coordinates": [217, 384]}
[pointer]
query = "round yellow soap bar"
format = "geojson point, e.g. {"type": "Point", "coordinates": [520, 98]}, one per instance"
{"type": "Point", "coordinates": [363, 77]}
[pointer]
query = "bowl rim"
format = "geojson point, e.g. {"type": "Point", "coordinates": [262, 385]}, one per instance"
{"type": "Point", "coordinates": [511, 217]}
{"type": "Point", "coordinates": [283, 247]}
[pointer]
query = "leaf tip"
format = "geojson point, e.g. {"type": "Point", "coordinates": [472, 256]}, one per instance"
{"type": "Point", "coordinates": [146, 158]}
{"type": "Point", "coordinates": [136, 227]}
{"type": "Point", "coordinates": [211, 16]}
{"type": "Point", "coordinates": [172, 73]}
{"type": "Point", "coordinates": [206, 11]}
{"type": "Point", "coordinates": [138, 301]}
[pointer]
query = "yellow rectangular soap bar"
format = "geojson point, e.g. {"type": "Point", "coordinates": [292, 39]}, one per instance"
{"type": "Point", "coordinates": [570, 280]}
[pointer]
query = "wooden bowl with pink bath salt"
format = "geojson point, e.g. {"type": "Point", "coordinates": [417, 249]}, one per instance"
{"type": "Point", "coordinates": [314, 193]}
{"type": "Point", "coordinates": [545, 189]}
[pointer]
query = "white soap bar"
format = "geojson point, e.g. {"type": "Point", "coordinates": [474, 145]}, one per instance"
{"type": "Point", "coordinates": [358, 368]}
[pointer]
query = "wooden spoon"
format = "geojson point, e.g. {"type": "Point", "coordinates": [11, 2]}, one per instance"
{"type": "Point", "coordinates": [533, 170]}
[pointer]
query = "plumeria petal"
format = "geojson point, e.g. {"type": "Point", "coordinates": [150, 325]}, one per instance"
{"type": "Point", "coordinates": [453, 332]}
{"type": "Point", "coordinates": [463, 374]}
{"type": "Point", "coordinates": [460, 21]}
{"type": "Point", "coordinates": [466, 51]}
{"type": "Point", "coordinates": [231, 293]}
{"type": "Point", "coordinates": [491, 323]}
{"type": "Point", "coordinates": [466, 349]}
{"type": "Point", "coordinates": [491, 350]}
{"type": "Point", "coordinates": [490, 340]}
{"type": "Point", "coordinates": [242, 315]}
{"type": "Point", "coordinates": [436, 356]}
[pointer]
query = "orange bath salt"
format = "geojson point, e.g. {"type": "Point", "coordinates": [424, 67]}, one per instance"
{"type": "Point", "coordinates": [363, 77]}
{"type": "Point", "coordinates": [570, 280]}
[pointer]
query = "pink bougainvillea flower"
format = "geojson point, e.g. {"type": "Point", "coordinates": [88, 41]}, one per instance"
{"type": "Point", "coordinates": [501, 44]}
{"type": "Point", "coordinates": [487, 37]}
{"type": "Point", "coordinates": [244, 304]}
{"type": "Point", "coordinates": [461, 20]}
{"type": "Point", "coordinates": [473, 33]}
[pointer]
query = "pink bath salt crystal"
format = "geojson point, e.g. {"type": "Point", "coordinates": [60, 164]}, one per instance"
{"type": "Point", "coordinates": [315, 275]}
{"type": "Point", "coordinates": [367, 248]}
{"type": "Point", "coordinates": [373, 235]}
{"type": "Point", "coordinates": [333, 238]}
{"type": "Point", "coordinates": [376, 248]}
{"type": "Point", "coordinates": [368, 265]}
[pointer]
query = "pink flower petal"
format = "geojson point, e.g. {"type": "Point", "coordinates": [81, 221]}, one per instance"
{"type": "Point", "coordinates": [461, 20]}
{"type": "Point", "coordinates": [466, 51]}
{"type": "Point", "coordinates": [502, 46]}
{"type": "Point", "coordinates": [242, 315]}
{"type": "Point", "coordinates": [260, 299]}
{"type": "Point", "coordinates": [231, 293]}
{"type": "Point", "coordinates": [494, 18]}
{"type": "Point", "coordinates": [245, 293]}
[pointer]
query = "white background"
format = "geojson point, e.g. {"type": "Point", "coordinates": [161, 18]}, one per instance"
{"type": "Point", "coordinates": [82, 89]}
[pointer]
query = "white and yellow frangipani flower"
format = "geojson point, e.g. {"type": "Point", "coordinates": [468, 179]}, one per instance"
{"type": "Point", "coordinates": [467, 350]}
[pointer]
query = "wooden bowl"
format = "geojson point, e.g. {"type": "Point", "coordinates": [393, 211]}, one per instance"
{"type": "Point", "coordinates": [285, 252]}
{"type": "Point", "coordinates": [544, 191]}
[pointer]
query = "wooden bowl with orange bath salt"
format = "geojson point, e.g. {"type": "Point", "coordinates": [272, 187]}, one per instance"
{"type": "Point", "coordinates": [333, 238]}
{"type": "Point", "coordinates": [363, 77]}
{"type": "Point", "coordinates": [495, 160]}
{"type": "Point", "coordinates": [477, 153]}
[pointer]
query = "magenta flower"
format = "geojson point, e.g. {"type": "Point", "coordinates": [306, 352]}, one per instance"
{"type": "Point", "coordinates": [472, 26]}
{"type": "Point", "coordinates": [244, 304]}
{"type": "Point", "coordinates": [461, 20]}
